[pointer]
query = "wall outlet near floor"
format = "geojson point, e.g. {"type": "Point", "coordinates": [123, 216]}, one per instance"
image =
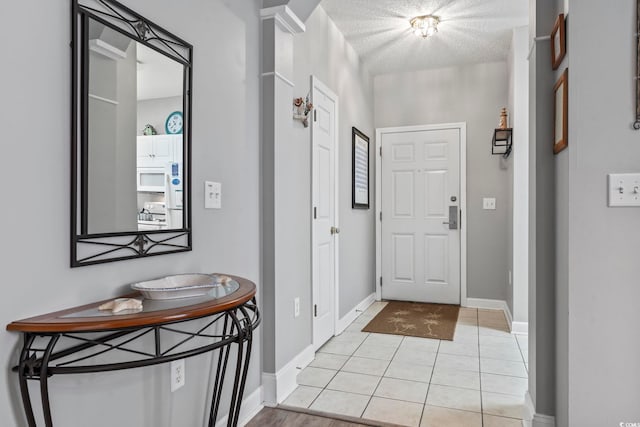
{"type": "Point", "coordinates": [296, 307]}
{"type": "Point", "coordinates": [177, 374]}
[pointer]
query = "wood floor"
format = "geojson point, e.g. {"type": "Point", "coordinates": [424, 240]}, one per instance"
{"type": "Point", "coordinates": [276, 417]}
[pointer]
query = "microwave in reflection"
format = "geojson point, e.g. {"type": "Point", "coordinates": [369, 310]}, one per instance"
{"type": "Point", "coordinates": [151, 179]}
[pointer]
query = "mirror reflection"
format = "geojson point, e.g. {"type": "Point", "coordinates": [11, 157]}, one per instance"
{"type": "Point", "coordinates": [134, 159]}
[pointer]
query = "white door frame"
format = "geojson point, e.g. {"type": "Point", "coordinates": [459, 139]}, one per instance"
{"type": "Point", "coordinates": [462, 126]}
{"type": "Point", "coordinates": [315, 82]}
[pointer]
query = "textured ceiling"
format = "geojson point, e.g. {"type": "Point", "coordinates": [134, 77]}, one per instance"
{"type": "Point", "coordinates": [470, 31]}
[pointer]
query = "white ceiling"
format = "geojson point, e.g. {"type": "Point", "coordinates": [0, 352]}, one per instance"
{"type": "Point", "coordinates": [158, 75]}
{"type": "Point", "coordinates": [470, 31]}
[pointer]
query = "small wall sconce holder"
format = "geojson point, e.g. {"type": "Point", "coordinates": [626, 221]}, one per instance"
{"type": "Point", "coordinates": [502, 137]}
{"type": "Point", "coordinates": [301, 109]}
{"type": "Point", "coordinates": [502, 142]}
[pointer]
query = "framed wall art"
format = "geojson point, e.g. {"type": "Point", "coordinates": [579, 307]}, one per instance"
{"type": "Point", "coordinates": [561, 109]}
{"type": "Point", "coordinates": [359, 170]}
{"type": "Point", "coordinates": [558, 42]}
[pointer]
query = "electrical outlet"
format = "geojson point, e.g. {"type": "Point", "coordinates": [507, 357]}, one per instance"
{"type": "Point", "coordinates": [296, 307]}
{"type": "Point", "coordinates": [177, 374]}
{"type": "Point", "coordinates": [489, 203]}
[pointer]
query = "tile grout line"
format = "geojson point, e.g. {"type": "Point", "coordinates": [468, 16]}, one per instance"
{"type": "Point", "coordinates": [380, 380]}
{"type": "Point", "coordinates": [438, 352]}
{"type": "Point", "coordinates": [337, 371]}
{"type": "Point", "coordinates": [354, 352]}
{"type": "Point", "coordinates": [433, 368]}
{"type": "Point", "coordinates": [350, 357]}
{"type": "Point", "coordinates": [480, 372]}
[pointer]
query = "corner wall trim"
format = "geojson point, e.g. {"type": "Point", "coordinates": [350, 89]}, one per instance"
{"type": "Point", "coordinates": [251, 405]}
{"type": "Point", "coordinates": [285, 17]}
{"type": "Point", "coordinates": [531, 418]}
{"type": "Point", "coordinates": [277, 387]}
{"type": "Point", "coordinates": [280, 76]}
{"type": "Point", "coordinates": [354, 313]}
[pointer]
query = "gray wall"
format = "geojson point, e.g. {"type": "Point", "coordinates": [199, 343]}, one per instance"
{"type": "Point", "coordinates": [562, 253]}
{"type": "Point", "coordinates": [602, 268]}
{"type": "Point", "coordinates": [543, 375]}
{"type": "Point", "coordinates": [125, 166]}
{"type": "Point", "coordinates": [316, 52]}
{"type": "Point", "coordinates": [286, 183]}
{"type": "Point", "coordinates": [473, 94]}
{"type": "Point", "coordinates": [155, 112]}
{"type": "Point", "coordinates": [112, 142]}
{"type": "Point", "coordinates": [508, 164]}
{"type": "Point", "coordinates": [518, 171]}
{"type": "Point", "coordinates": [37, 279]}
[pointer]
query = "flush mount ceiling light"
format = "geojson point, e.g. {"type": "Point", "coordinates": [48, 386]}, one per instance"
{"type": "Point", "coordinates": [425, 26]}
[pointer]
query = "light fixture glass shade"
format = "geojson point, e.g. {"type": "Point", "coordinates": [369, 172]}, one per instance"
{"type": "Point", "coordinates": [425, 26]}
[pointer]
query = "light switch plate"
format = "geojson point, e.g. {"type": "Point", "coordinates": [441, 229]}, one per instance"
{"type": "Point", "coordinates": [624, 189]}
{"type": "Point", "coordinates": [489, 203]}
{"type": "Point", "coordinates": [212, 195]}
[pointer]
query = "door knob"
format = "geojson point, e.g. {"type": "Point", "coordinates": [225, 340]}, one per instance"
{"type": "Point", "coordinates": [335, 230]}
{"type": "Point", "coordinates": [453, 218]}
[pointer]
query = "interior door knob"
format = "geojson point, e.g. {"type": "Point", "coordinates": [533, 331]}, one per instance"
{"type": "Point", "coordinates": [335, 230]}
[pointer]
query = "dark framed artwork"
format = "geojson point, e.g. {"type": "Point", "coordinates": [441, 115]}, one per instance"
{"type": "Point", "coordinates": [561, 110]}
{"type": "Point", "coordinates": [558, 42]}
{"type": "Point", "coordinates": [359, 170]}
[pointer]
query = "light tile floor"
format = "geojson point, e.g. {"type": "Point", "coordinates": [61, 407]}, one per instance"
{"type": "Point", "coordinates": [477, 380]}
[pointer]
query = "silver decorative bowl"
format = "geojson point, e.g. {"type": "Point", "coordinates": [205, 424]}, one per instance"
{"type": "Point", "coordinates": [176, 286]}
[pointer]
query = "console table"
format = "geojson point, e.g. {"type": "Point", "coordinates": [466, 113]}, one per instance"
{"type": "Point", "coordinates": [84, 339]}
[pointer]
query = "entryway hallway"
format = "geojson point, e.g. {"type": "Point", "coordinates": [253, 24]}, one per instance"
{"type": "Point", "coordinates": [477, 380]}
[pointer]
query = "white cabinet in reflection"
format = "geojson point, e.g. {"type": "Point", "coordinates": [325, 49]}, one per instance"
{"type": "Point", "coordinates": [155, 151]}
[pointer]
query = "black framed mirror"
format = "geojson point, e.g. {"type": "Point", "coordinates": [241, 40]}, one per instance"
{"type": "Point", "coordinates": [131, 136]}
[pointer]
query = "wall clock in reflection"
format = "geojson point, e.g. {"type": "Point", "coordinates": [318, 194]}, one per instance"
{"type": "Point", "coordinates": [173, 124]}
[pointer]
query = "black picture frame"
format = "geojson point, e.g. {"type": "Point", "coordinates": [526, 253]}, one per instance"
{"type": "Point", "coordinates": [359, 168]}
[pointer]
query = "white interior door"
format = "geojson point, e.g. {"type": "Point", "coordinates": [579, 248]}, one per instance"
{"type": "Point", "coordinates": [421, 195]}
{"type": "Point", "coordinates": [325, 220]}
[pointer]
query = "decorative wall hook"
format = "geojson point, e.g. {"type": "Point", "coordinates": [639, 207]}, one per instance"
{"type": "Point", "coordinates": [301, 109]}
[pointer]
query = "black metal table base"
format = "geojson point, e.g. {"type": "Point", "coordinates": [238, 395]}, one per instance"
{"type": "Point", "coordinates": [42, 356]}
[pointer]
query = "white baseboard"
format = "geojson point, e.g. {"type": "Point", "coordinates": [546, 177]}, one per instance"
{"type": "Point", "coordinates": [251, 405]}
{"type": "Point", "coordinates": [518, 328]}
{"type": "Point", "coordinates": [354, 313]}
{"type": "Point", "coordinates": [532, 419]}
{"type": "Point", "coordinates": [508, 315]}
{"type": "Point", "coordinates": [277, 387]}
{"type": "Point", "coordinates": [491, 304]}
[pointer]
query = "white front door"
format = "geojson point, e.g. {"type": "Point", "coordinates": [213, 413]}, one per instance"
{"type": "Point", "coordinates": [325, 221]}
{"type": "Point", "coordinates": [420, 192]}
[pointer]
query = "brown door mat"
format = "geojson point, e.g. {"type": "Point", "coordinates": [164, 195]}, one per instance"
{"type": "Point", "coordinates": [416, 319]}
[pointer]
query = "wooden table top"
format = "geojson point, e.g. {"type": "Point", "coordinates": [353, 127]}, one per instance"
{"type": "Point", "coordinates": [82, 319]}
